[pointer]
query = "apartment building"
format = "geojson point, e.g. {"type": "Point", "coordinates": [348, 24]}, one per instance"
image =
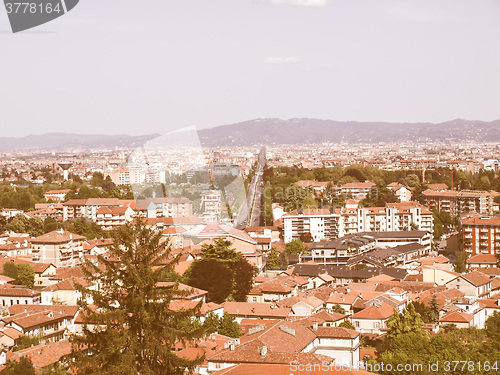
{"type": "Point", "coordinates": [112, 217]}
{"type": "Point", "coordinates": [358, 190]}
{"type": "Point", "coordinates": [319, 223]}
{"type": "Point", "coordinates": [211, 205]}
{"type": "Point", "coordinates": [325, 224]}
{"type": "Point", "coordinates": [59, 247]}
{"type": "Point", "coordinates": [480, 234]}
{"type": "Point", "coordinates": [456, 202]}
{"type": "Point", "coordinates": [405, 244]}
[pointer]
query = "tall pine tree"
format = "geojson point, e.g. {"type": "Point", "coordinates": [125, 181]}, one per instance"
{"type": "Point", "coordinates": [130, 328]}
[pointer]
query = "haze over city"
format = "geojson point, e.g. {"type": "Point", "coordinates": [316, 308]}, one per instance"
{"type": "Point", "coordinates": [132, 68]}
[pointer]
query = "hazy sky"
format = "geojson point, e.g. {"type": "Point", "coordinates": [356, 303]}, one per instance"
{"type": "Point", "coordinates": [144, 66]}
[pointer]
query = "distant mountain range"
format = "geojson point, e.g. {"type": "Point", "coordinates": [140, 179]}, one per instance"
{"type": "Point", "coordinates": [65, 141]}
{"type": "Point", "coordinates": [276, 131]}
{"type": "Point", "coordinates": [314, 131]}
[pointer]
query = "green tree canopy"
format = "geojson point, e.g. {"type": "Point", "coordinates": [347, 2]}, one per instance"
{"type": "Point", "coordinates": [493, 327]}
{"type": "Point", "coordinates": [228, 326]}
{"type": "Point", "coordinates": [273, 259]}
{"type": "Point", "coordinates": [25, 275]}
{"type": "Point", "coordinates": [22, 367]}
{"type": "Point", "coordinates": [131, 329]}
{"type": "Point", "coordinates": [212, 276]}
{"type": "Point", "coordinates": [221, 250]}
{"type": "Point", "coordinates": [10, 270]}
{"type": "Point", "coordinates": [461, 261]}
{"type": "Point", "coordinates": [295, 247]}
{"type": "Point", "coordinates": [244, 273]}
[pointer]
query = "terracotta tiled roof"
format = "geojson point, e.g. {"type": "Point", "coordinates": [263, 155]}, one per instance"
{"type": "Point", "coordinates": [12, 333]}
{"type": "Point", "coordinates": [27, 320]}
{"type": "Point", "coordinates": [173, 230]}
{"type": "Point", "coordinates": [44, 355]}
{"type": "Point", "coordinates": [68, 284]}
{"type": "Point", "coordinates": [476, 278]}
{"type": "Point", "coordinates": [336, 332]}
{"type": "Point", "coordinates": [483, 258]}
{"type": "Point", "coordinates": [343, 299]}
{"type": "Point", "coordinates": [457, 317]}
{"type": "Point", "coordinates": [384, 311]}
{"type": "Point", "coordinates": [248, 309]}
{"type": "Point", "coordinates": [188, 304]}
{"type": "Point", "coordinates": [17, 292]}
{"type": "Point", "coordinates": [495, 283]}
{"type": "Point", "coordinates": [57, 236]}
{"type": "Point", "coordinates": [69, 311]}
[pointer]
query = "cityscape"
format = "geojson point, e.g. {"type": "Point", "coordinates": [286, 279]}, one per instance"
{"type": "Point", "coordinates": [270, 187]}
{"type": "Point", "coordinates": [339, 242]}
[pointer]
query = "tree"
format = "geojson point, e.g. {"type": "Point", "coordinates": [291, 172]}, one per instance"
{"type": "Point", "coordinates": [35, 226]}
{"type": "Point", "coordinates": [211, 322]}
{"type": "Point", "coordinates": [27, 341]}
{"type": "Point", "coordinates": [347, 324]}
{"type": "Point", "coordinates": [23, 367]}
{"type": "Point", "coordinates": [338, 309]}
{"type": "Point", "coordinates": [295, 247]}
{"type": "Point", "coordinates": [493, 327]}
{"type": "Point", "coordinates": [131, 329]}
{"type": "Point", "coordinates": [244, 273]}
{"type": "Point", "coordinates": [273, 259]}
{"type": "Point", "coordinates": [10, 270]}
{"type": "Point", "coordinates": [25, 275]}
{"type": "Point", "coordinates": [434, 310]}
{"type": "Point", "coordinates": [220, 250]}
{"type": "Point", "coordinates": [461, 261]}
{"type": "Point", "coordinates": [407, 321]}
{"type": "Point", "coordinates": [3, 224]}
{"type": "Point", "coordinates": [19, 224]}
{"type": "Point", "coordinates": [212, 276]}
{"type": "Point", "coordinates": [283, 260]}
{"type": "Point", "coordinates": [50, 224]}
{"type": "Point", "coordinates": [412, 180]}
{"type": "Point", "coordinates": [228, 326]}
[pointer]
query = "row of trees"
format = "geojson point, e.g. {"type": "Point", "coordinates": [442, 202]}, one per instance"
{"type": "Point", "coordinates": [35, 226]}
{"type": "Point", "coordinates": [24, 196]}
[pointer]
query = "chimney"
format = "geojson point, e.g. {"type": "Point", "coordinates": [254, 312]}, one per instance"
{"type": "Point", "coordinates": [263, 351]}
{"type": "Point", "coordinates": [315, 326]}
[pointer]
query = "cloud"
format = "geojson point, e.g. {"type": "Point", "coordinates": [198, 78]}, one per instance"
{"type": "Point", "coordinates": [282, 60]}
{"type": "Point", "coordinates": [302, 3]}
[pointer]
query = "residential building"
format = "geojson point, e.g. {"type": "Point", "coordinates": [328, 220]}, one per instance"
{"type": "Point", "coordinates": [356, 190]}
{"type": "Point", "coordinates": [480, 234]}
{"type": "Point", "coordinates": [10, 296]}
{"type": "Point", "coordinates": [59, 247]}
{"type": "Point", "coordinates": [211, 205]}
{"type": "Point", "coordinates": [240, 240]}
{"type": "Point", "coordinates": [373, 319]}
{"type": "Point", "coordinates": [474, 284]}
{"type": "Point", "coordinates": [326, 224]}
{"type": "Point", "coordinates": [113, 217]}
{"type": "Point", "coordinates": [457, 202]}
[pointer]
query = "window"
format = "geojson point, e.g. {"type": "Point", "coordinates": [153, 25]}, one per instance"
{"type": "Point", "coordinates": [376, 325]}
{"type": "Point", "coordinates": [356, 323]}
